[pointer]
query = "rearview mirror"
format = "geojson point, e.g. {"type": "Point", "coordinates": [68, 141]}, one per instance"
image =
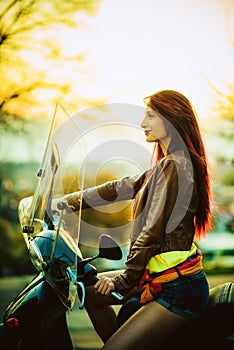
{"type": "Point", "coordinates": [109, 248]}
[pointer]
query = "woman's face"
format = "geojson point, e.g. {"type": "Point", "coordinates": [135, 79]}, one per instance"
{"type": "Point", "coordinates": [154, 127]}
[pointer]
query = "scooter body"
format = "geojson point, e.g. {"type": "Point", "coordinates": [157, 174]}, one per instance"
{"type": "Point", "coordinates": [36, 319]}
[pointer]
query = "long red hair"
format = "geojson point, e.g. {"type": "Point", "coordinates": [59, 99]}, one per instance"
{"type": "Point", "coordinates": [177, 109]}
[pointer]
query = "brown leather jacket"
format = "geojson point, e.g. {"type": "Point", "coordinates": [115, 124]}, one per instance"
{"type": "Point", "coordinates": [163, 217]}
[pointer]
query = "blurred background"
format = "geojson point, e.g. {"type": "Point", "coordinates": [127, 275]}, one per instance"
{"type": "Point", "coordinates": [86, 53]}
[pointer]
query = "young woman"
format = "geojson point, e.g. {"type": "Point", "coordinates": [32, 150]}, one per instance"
{"type": "Point", "coordinates": [171, 210]}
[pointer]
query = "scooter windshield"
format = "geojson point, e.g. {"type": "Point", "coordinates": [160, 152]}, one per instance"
{"type": "Point", "coordinates": [50, 232]}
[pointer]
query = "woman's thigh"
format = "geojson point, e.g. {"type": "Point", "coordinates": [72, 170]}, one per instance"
{"type": "Point", "coordinates": [148, 328]}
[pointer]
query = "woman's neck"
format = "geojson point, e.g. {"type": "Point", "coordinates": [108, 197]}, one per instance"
{"type": "Point", "coordinates": [164, 145]}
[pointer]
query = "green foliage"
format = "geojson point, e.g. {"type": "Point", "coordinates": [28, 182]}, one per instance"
{"type": "Point", "coordinates": [16, 182]}
{"type": "Point", "coordinates": [228, 178]}
{"type": "Point", "coordinates": [13, 254]}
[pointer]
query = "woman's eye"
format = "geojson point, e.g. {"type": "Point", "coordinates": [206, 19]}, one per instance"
{"type": "Point", "coordinates": [150, 115]}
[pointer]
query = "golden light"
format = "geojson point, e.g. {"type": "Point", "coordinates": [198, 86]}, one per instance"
{"type": "Point", "coordinates": [139, 47]}
{"type": "Point", "coordinates": [130, 49]}
{"type": "Point", "coordinates": [133, 48]}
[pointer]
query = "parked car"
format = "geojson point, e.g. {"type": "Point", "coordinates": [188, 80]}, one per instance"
{"type": "Point", "coordinates": [218, 252]}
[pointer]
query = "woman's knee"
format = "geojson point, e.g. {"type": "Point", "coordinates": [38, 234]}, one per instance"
{"type": "Point", "coordinates": [95, 300]}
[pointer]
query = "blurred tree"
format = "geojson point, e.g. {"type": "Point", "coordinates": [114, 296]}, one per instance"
{"type": "Point", "coordinates": [224, 101]}
{"type": "Point", "coordinates": [29, 47]}
{"type": "Point", "coordinates": [13, 252]}
{"type": "Point", "coordinates": [224, 106]}
{"type": "Point", "coordinates": [222, 126]}
{"type": "Point", "coordinates": [228, 178]}
{"type": "Point", "coordinates": [223, 129]}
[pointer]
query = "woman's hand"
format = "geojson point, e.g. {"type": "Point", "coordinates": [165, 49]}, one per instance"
{"type": "Point", "coordinates": [58, 204]}
{"type": "Point", "coordinates": [104, 286]}
{"type": "Point", "coordinates": [55, 202]}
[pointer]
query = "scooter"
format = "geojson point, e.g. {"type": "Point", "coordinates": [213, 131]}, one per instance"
{"type": "Point", "coordinates": [36, 318]}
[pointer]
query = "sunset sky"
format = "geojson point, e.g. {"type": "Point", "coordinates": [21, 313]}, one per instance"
{"type": "Point", "coordinates": [133, 48]}
{"type": "Point", "coordinates": [136, 47]}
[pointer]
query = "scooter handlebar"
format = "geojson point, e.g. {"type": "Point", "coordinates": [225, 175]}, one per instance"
{"type": "Point", "coordinates": [92, 279]}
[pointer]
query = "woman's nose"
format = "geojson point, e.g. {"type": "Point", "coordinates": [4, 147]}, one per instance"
{"type": "Point", "coordinates": [142, 124]}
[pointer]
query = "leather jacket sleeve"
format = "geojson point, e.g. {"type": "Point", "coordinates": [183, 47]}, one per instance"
{"type": "Point", "coordinates": [109, 192]}
{"type": "Point", "coordinates": [161, 198]}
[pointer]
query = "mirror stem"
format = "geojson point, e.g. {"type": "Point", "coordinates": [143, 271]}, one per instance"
{"type": "Point", "coordinates": [85, 261]}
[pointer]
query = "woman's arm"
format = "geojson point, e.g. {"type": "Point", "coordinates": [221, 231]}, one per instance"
{"type": "Point", "coordinates": [107, 193]}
